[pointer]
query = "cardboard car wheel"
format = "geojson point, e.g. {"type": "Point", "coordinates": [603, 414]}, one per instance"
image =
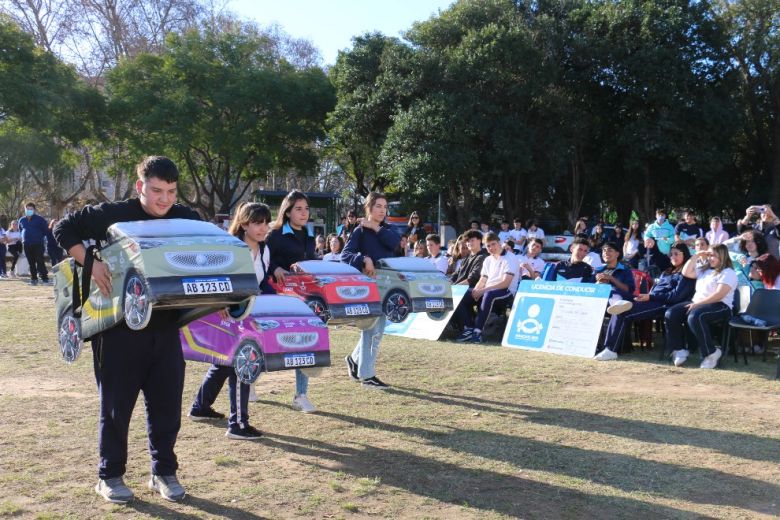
{"type": "Point", "coordinates": [319, 307]}
{"type": "Point", "coordinates": [70, 337]}
{"type": "Point", "coordinates": [397, 306]}
{"type": "Point", "coordinates": [248, 362]}
{"type": "Point", "coordinates": [137, 302]}
{"type": "Point", "coordinates": [436, 315]}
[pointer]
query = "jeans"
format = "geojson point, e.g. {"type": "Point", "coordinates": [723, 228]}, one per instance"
{"type": "Point", "coordinates": [301, 382]}
{"type": "Point", "coordinates": [34, 254]}
{"type": "Point", "coordinates": [15, 250]}
{"type": "Point", "coordinates": [698, 322]}
{"type": "Point", "coordinates": [238, 394]}
{"type": "Point", "coordinates": [619, 323]}
{"type": "Point", "coordinates": [3, 251]}
{"type": "Point", "coordinates": [367, 348]}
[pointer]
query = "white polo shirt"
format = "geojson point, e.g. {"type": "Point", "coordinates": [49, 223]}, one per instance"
{"type": "Point", "coordinates": [495, 268]}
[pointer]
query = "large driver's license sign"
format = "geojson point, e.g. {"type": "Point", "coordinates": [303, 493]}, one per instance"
{"type": "Point", "coordinates": [558, 317]}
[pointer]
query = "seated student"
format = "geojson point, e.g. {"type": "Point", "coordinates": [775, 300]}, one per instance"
{"type": "Point", "coordinates": [751, 246]}
{"type": "Point", "coordinates": [716, 235]}
{"type": "Point", "coordinates": [460, 251]}
{"type": "Point", "coordinates": [763, 219]}
{"type": "Point", "coordinates": [619, 276]}
{"type": "Point", "coordinates": [593, 258]}
{"type": "Point", "coordinates": [575, 269]}
{"type": "Point", "coordinates": [474, 224]}
{"type": "Point", "coordinates": [484, 226]}
{"type": "Point", "coordinates": [470, 270]}
{"type": "Point", "coordinates": [688, 230]}
{"type": "Point", "coordinates": [403, 246]}
{"type": "Point", "coordinates": [435, 254]}
{"type": "Point", "coordinates": [518, 234]}
{"type": "Point", "coordinates": [661, 231]}
{"type": "Point", "coordinates": [671, 288]}
{"type": "Point", "coordinates": [581, 226]}
{"type": "Point", "coordinates": [768, 270]}
{"type": "Point", "coordinates": [618, 234]}
{"type": "Point", "coordinates": [651, 259]}
{"type": "Point", "coordinates": [699, 245]}
{"type": "Point", "coordinates": [531, 264]}
{"type": "Point", "coordinates": [508, 245]}
{"type": "Point", "coordinates": [498, 281]}
{"type": "Point", "coordinates": [420, 250]}
{"type": "Point", "coordinates": [505, 233]}
{"type": "Point", "coordinates": [597, 237]}
{"type": "Point", "coordinates": [336, 244]}
{"type": "Point", "coordinates": [631, 244]}
{"type": "Point", "coordinates": [533, 230]}
{"type": "Point", "coordinates": [711, 302]}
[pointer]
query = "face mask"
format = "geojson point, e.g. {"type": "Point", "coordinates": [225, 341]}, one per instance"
{"type": "Point", "coordinates": [660, 220]}
{"type": "Point", "coordinates": [29, 212]}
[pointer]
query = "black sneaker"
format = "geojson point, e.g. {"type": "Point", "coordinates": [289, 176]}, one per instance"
{"type": "Point", "coordinates": [475, 338]}
{"type": "Point", "coordinates": [32, 282]}
{"type": "Point", "coordinates": [352, 368]}
{"type": "Point", "coordinates": [465, 335]}
{"type": "Point", "coordinates": [250, 433]}
{"type": "Point", "coordinates": [375, 383]}
{"type": "Point", "coordinates": [205, 415]}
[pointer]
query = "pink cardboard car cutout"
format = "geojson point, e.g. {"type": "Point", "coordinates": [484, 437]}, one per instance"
{"type": "Point", "coordinates": [281, 333]}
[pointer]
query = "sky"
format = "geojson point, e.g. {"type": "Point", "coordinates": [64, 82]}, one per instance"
{"type": "Point", "coordinates": [331, 24]}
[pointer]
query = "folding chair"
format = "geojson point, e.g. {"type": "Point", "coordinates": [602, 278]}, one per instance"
{"type": "Point", "coordinates": [643, 330]}
{"type": "Point", "coordinates": [765, 306]}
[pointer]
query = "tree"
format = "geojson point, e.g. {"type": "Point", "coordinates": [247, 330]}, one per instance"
{"type": "Point", "coordinates": [225, 106]}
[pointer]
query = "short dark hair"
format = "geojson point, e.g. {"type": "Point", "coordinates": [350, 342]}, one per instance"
{"type": "Point", "coordinates": [660, 211]}
{"type": "Point", "coordinates": [351, 213]}
{"type": "Point", "coordinates": [29, 204]}
{"type": "Point", "coordinates": [613, 246]}
{"type": "Point", "coordinates": [157, 166]}
{"type": "Point", "coordinates": [530, 222]}
{"type": "Point", "coordinates": [536, 241]}
{"type": "Point", "coordinates": [510, 243]}
{"type": "Point", "coordinates": [433, 237]}
{"type": "Point", "coordinates": [579, 241]}
{"type": "Point", "coordinates": [474, 222]}
{"type": "Point", "coordinates": [518, 219]}
{"type": "Point", "coordinates": [472, 233]}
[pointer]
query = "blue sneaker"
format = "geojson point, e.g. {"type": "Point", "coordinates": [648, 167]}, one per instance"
{"type": "Point", "coordinates": [476, 337]}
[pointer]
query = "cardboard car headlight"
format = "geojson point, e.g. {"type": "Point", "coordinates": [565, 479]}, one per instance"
{"type": "Point", "coordinates": [281, 333]}
{"type": "Point", "coordinates": [336, 292]}
{"type": "Point", "coordinates": [410, 285]}
{"type": "Point", "coordinates": [155, 264]}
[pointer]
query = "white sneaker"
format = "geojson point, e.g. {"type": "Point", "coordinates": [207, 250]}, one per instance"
{"type": "Point", "coordinates": [711, 361]}
{"type": "Point", "coordinates": [680, 356]}
{"type": "Point", "coordinates": [606, 355]}
{"type": "Point", "coordinates": [758, 349]}
{"type": "Point", "coordinates": [302, 403]}
{"type": "Point", "coordinates": [252, 394]}
{"type": "Point", "coordinates": [619, 307]}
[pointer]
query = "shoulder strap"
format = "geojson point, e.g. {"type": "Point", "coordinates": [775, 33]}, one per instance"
{"type": "Point", "coordinates": [86, 277]}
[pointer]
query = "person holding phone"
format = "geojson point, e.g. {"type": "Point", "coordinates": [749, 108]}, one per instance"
{"type": "Point", "coordinates": [762, 218]}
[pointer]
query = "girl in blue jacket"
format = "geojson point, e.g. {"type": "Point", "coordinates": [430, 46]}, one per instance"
{"type": "Point", "coordinates": [371, 241]}
{"type": "Point", "coordinates": [671, 288]}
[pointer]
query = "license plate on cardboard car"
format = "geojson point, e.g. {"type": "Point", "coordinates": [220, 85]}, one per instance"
{"type": "Point", "coordinates": [357, 310]}
{"type": "Point", "coordinates": [298, 360]}
{"type": "Point", "coordinates": [434, 304]}
{"type": "Point", "coordinates": [215, 285]}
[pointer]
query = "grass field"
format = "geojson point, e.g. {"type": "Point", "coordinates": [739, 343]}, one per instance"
{"type": "Point", "coordinates": [466, 432]}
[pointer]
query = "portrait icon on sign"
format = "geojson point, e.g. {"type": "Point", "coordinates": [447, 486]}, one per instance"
{"type": "Point", "coordinates": [531, 321]}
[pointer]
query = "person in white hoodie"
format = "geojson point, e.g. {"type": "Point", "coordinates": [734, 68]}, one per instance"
{"type": "Point", "coordinates": [716, 235]}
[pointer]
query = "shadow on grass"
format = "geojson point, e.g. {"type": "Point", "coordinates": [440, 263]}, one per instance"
{"type": "Point", "coordinates": [475, 488]}
{"type": "Point", "coordinates": [158, 510]}
{"type": "Point", "coordinates": [625, 472]}
{"type": "Point", "coordinates": [742, 445]}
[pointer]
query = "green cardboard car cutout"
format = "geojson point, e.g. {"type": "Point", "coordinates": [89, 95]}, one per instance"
{"type": "Point", "coordinates": [189, 265]}
{"type": "Point", "coordinates": [410, 285]}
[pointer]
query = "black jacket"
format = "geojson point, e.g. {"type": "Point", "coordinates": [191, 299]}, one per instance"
{"type": "Point", "coordinates": [286, 248]}
{"type": "Point", "coordinates": [92, 222]}
{"type": "Point", "coordinates": [367, 242]}
{"type": "Point", "coordinates": [470, 269]}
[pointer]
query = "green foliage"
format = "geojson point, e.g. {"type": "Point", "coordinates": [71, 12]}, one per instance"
{"type": "Point", "coordinates": [225, 106]}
